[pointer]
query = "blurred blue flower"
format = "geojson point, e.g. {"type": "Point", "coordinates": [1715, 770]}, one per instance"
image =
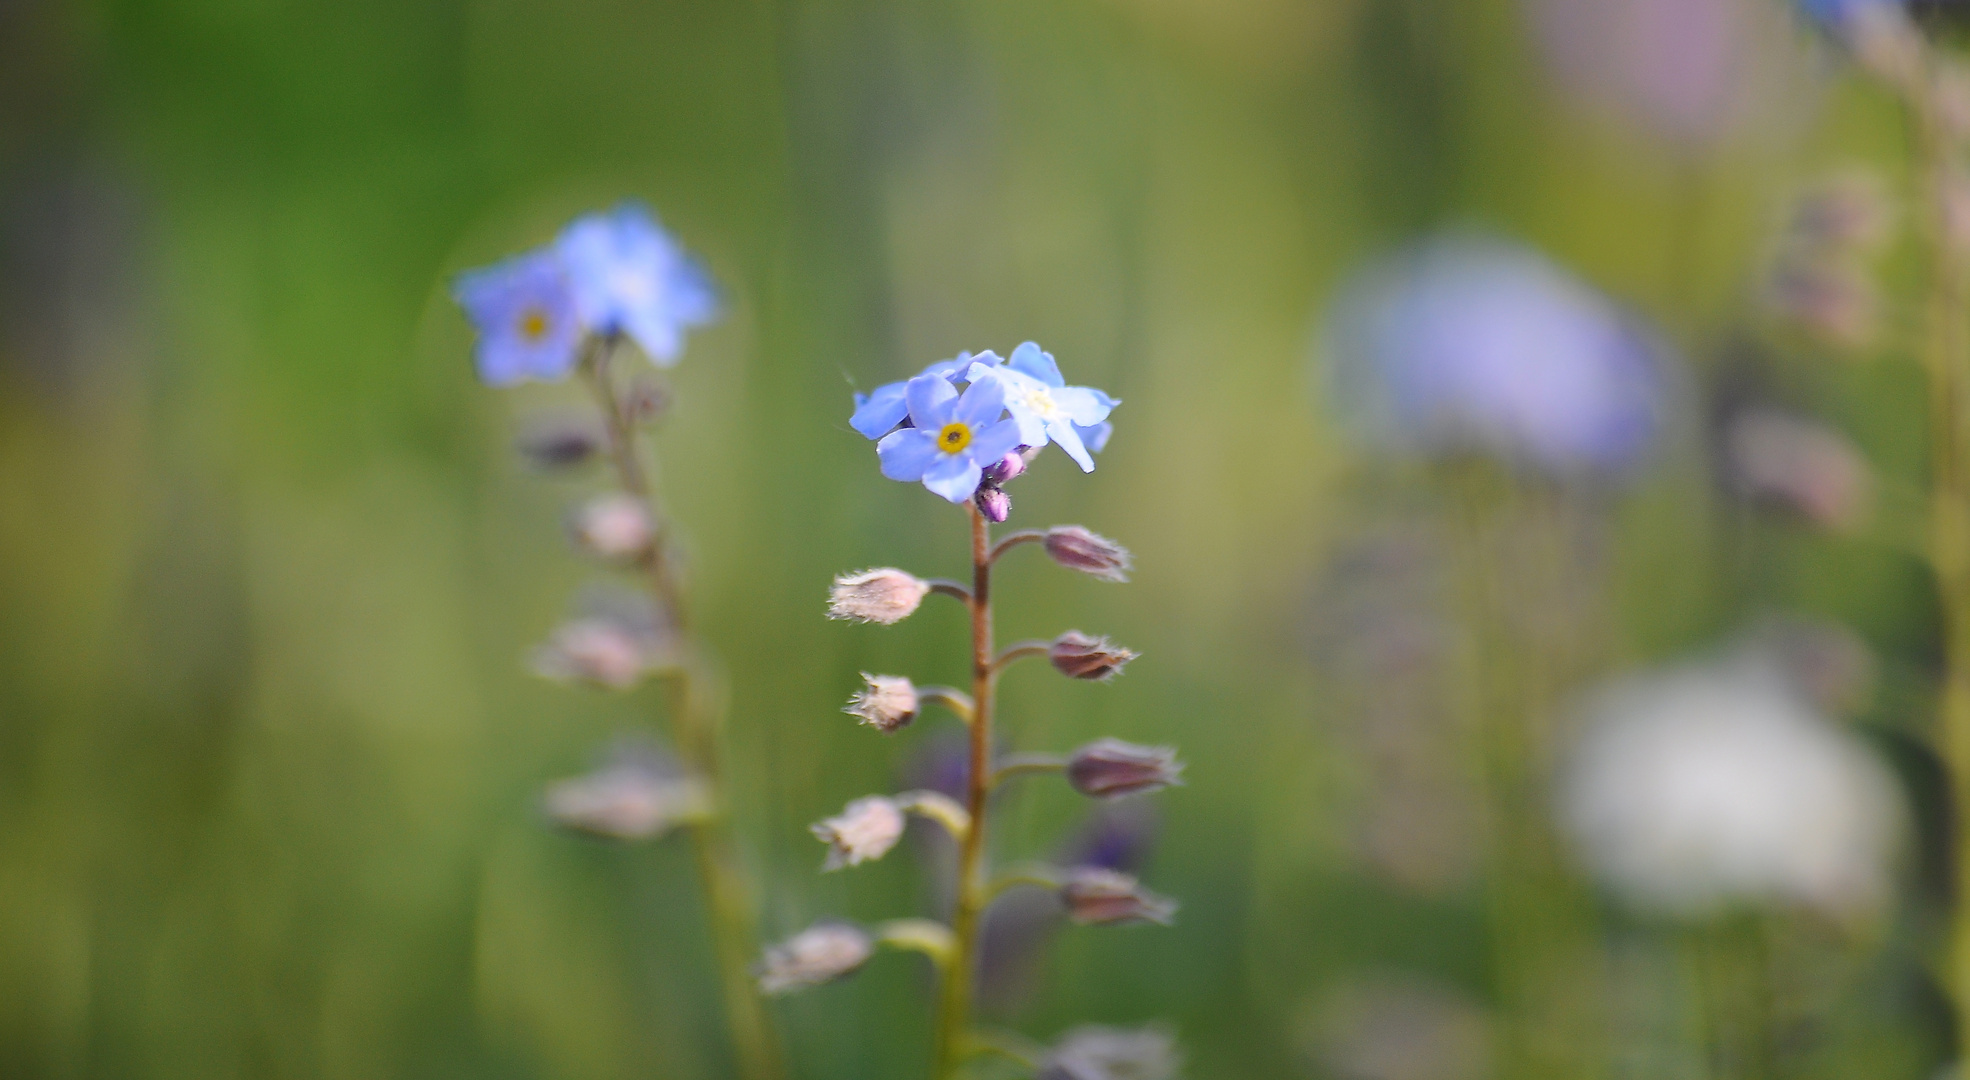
{"type": "Point", "coordinates": [1837, 14]}
{"type": "Point", "coordinates": [953, 439]}
{"type": "Point", "coordinates": [1470, 344]}
{"type": "Point", "coordinates": [631, 277]}
{"type": "Point", "coordinates": [879, 411]}
{"type": "Point", "coordinates": [525, 313]}
{"type": "Point", "coordinates": [1045, 407]}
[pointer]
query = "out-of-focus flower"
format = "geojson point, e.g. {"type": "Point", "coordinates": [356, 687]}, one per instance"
{"type": "Point", "coordinates": [1831, 299]}
{"type": "Point", "coordinates": [1045, 407]}
{"type": "Point", "coordinates": [631, 277]}
{"type": "Point", "coordinates": [1847, 213]}
{"type": "Point", "coordinates": [602, 650]}
{"type": "Point", "coordinates": [1111, 768]}
{"type": "Point", "coordinates": [638, 796]}
{"type": "Point", "coordinates": [879, 411]}
{"type": "Point", "coordinates": [887, 702]}
{"type": "Point", "coordinates": [1097, 896]}
{"type": "Point", "coordinates": [1397, 1027]}
{"type": "Point", "coordinates": [560, 442]}
{"type": "Point", "coordinates": [819, 954]}
{"type": "Point", "coordinates": [953, 439]}
{"type": "Point", "coordinates": [1803, 465]}
{"type": "Point", "coordinates": [1078, 656]}
{"type": "Point", "coordinates": [1093, 1052]}
{"type": "Point", "coordinates": [1097, 556]}
{"type": "Point", "coordinates": [1468, 344]}
{"type": "Point", "coordinates": [1704, 786]}
{"type": "Point", "coordinates": [866, 829]}
{"type": "Point", "coordinates": [525, 312]}
{"type": "Point", "coordinates": [885, 595]}
{"type": "Point", "coordinates": [614, 526]}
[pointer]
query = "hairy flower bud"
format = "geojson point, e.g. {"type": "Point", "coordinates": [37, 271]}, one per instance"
{"type": "Point", "coordinates": [1097, 556]}
{"type": "Point", "coordinates": [865, 829]}
{"type": "Point", "coordinates": [614, 526]}
{"type": "Point", "coordinates": [993, 502]}
{"type": "Point", "coordinates": [821, 953]}
{"type": "Point", "coordinates": [1092, 1052]}
{"type": "Point", "coordinates": [1097, 896]}
{"type": "Point", "coordinates": [1078, 656]}
{"type": "Point", "coordinates": [630, 800]}
{"type": "Point", "coordinates": [884, 595]}
{"type": "Point", "coordinates": [1007, 467]}
{"type": "Point", "coordinates": [888, 703]}
{"type": "Point", "coordinates": [598, 650]}
{"type": "Point", "coordinates": [1111, 768]}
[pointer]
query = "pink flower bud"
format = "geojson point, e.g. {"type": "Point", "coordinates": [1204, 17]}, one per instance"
{"type": "Point", "coordinates": [887, 703]}
{"type": "Point", "coordinates": [629, 800]}
{"type": "Point", "coordinates": [1092, 1052]}
{"type": "Point", "coordinates": [1078, 549]}
{"type": "Point", "coordinates": [865, 829]}
{"type": "Point", "coordinates": [1805, 466]}
{"type": "Point", "coordinates": [597, 650]}
{"type": "Point", "coordinates": [1007, 467]}
{"type": "Point", "coordinates": [1078, 656]}
{"type": "Point", "coordinates": [1096, 896]}
{"type": "Point", "coordinates": [821, 953]}
{"type": "Point", "coordinates": [885, 595]}
{"type": "Point", "coordinates": [1111, 768]}
{"type": "Point", "coordinates": [614, 527]}
{"type": "Point", "coordinates": [993, 502]}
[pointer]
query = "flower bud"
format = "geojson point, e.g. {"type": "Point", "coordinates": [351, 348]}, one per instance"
{"type": "Point", "coordinates": [821, 953]}
{"type": "Point", "coordinates": [1078, 656]}
{"type": "Point", "coordinates": [560, 444]}
{"type": "Point", "coordinates": [1833, 301]}
{"type": "Point", "coordinates": [1097, 556]}
{"type": "Point", "coordinates": [598, 650]}
{"type": "Point", "coordinates": [614, 526]}
{"type": "Point", "coordinates": [629, 800]}
{"type": "Point", "coordinates": [888, 703]}
{"type": "Point", "coordinates": [1805, 466]}
{"type": "Point", "coordinates": [884, 595]}
{"type": "Point", "coordinates": [1092, 1052]}
{"type": "Point", "coordinates": [993, 502]}
{"type": "Point", "coordinates": [1111, 768]}
{"type": "Point", "coordinates": [1006, 468]}
{"type": "Point", "coordinates": [1097, 896]}
{"type": "Point", "coordinates": [644, 401]}
{"type": "Point", "coordinates": [865, 829]}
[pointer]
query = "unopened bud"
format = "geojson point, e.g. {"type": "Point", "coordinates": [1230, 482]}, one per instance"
{"type": "Point", "coordinates": [560, 444]}
{"type": "Point", "coordinates": [626, 801]}
{"type": "Point", "coordinates": [865, 829]}
{"type": "Point", "coordinates": [993, 502]}
{"type": "Point", "coordinates": [1093, 1052]}
{"type": "Point", "coordinates": [644, 401]}
{"type": "Point", "coordinates": [887, 703]}
{"type": "Point", "coordinates": [1078, 656]}
{"type": "Point", "coordinates": [1006, 468]}
{"type": "Point", "coordinates": [1805, 466]}
{"type": "Point", "coordinates": [598, 650]}
{"type": "Point", "coordinates": [1096, 896]}
{"type": "Point", "coordinates": [819, 954]}
{"type": "Point", "coordinates": [1832, 300]}
{"type": "Point", "coordinates": [1111, 768]}
{"type": "Point", "coordinates": [885, 595]}
{"type": "Point", "coordinates": [614, 526]}
{"type": "Point", "coordinates": [1846, 213]}
{"type": "Point", "coordinates": [1078, 549]}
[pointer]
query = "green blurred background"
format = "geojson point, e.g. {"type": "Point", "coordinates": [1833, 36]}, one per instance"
{"type": "Point", "coordinates": [270, 758]}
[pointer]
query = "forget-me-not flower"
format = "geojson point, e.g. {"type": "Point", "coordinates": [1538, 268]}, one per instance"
{"type": "Point", "coordinates": [1838, 14]}
{"type": "Point", "coordinates": [1045, 407]}
{"type": "Point", "coordinates": [631, 277]}
{"type": "Point", "coordinates": [879, 411]}
{"type": "Point", "coordinates": [953, 438]}
{"type": "Point", "coordinates": [524, 309]}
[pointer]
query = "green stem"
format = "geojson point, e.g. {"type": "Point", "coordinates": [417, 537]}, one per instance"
{"type": "Point", "coordinates": [694, 730]}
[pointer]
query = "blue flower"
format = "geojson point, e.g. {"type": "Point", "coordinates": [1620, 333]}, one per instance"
{"type": "Point", "coordinates": [1837, 14]}
{"type": "Point", "coordinates": [953, 438]}
{"type": "Point", "coordinates": [525, 312]}
{"type": "Point", "coordinates": [1046, 408]}
{"type": "Point", "coordinates": [880, 410]}
{"type": "Point", "coordinates": [631, 277]}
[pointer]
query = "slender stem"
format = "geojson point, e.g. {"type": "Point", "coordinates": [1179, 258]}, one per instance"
{"type": "Point", "coordinates": [1038, 876]}
{"type": "Point", "coordinates": [694, 730]}
{"type": "Point", "coordinates": [951, 698]}
{"type": "Point", "coordinates": [1020, 651]}
{"type": "Point", "coordinates": [954, 1012]}
{"type": "Point", "coordinates": [1014, 539]}
{"type": "Point", "coordinates": [947, 587]}
{"type": "Point", "coordinates": [1027, 764]}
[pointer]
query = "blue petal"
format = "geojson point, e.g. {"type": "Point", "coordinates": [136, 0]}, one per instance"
{"type": "Point", "coordinates": [1084, 405]}
{"type": "Point", "coordinates": [983, 403]}
{"type": "Point", "coordinates": [1095, 437]}
{"type": "Point", "coordinates": [1029, 359]}
{"type": "Point", "coordinates": [990, 444]}
{"type": "Point", "coordinates": [908, 454]}
{"type": "Point", "coordinates": [954, 477]}
{"type": "Point", "coordinates": [952, 369]}
{"type": "Point", "coordinates": [1069, 441]}
{"type": "Point", "coordinates": [932, 400]}
{"type": "Point", "coordinates": [876, 413]}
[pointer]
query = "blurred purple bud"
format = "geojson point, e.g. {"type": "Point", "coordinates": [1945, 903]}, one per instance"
{"type": "Point", "coordinates": [1111, 768]}
{"type": "Point", "coordinates": [560, 443]}
{"type": "Point", "coordinates": [604, 651]}
{"type": "Point", "coordinates": [1078, 656]}
{"type": "Point", "coordinates": [887, 703]}
{"type": "Point", "coordinates": [819, 954]}
{"type": "Point", "coordinates": [614, 527]}
{"type": "Point", "coordinates": [1099, 897]}
{"type": "Point", "coordinates": [640, 795]}
{"type": "Point", "coordinates": [993, 502]}
{"type": "Point", "coordinates": [865, 829]}
{"type": "Point", "coordinates": [884, 595]}
{"type": "Point", "coordinates": [1104, 1053]}
{"type": "Point", "coordinates": [1078, 549]}
{"type": "Point", "coordinates": [644, 401]}
{"type": "Point", "coordinates": [1008, 467]}
{"type": "Point", "coordinates": [1803, 465]}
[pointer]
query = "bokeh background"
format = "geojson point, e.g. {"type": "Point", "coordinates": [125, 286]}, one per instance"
{"type": "Point", "coordinates": [270, 754]}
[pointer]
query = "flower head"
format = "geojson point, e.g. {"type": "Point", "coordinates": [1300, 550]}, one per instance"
{"type": "Point", "coordinates": [614, 526]}
{"type": "Point", "coordinates": [1046, 408]}
{"type": "Point", "coordinates": [887, 703]}
{"type": "Point", "coordinates": [631, 277]}
{"type": "Point", "coordinates": [525, 311]}
{"type": "Point", "coordinates": [819, 954]}
{"type": "Point", "coordinates": [1093, 1052]}
{"type": "Point", "coordinates": [885, 595]}
{"type": "Point", "coordinates": [1111, 768]}
{"type": "Point", "coordinates": [638, 796]}
{"type": "Point", "coordinates": [879, 411]}
{"type": "Point", "coordinates": [1800, 464]}
{"type": "Point", "coordinates": [953, 439]}
{"type": "Point", "coordinates": [1097, 556]}
{"type": "Point", "coordinates": [1078, 656]}
{"type": "Point", "coordinates": [606, 651]}
{"type": "Point", "coordinates": [1097, 896]}
{"type": "Point", "coordinates": [865, 829]}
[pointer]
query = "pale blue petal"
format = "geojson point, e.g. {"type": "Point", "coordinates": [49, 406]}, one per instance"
{"type": "Point", "coordinates": [1030, 359]}
{"type": "Point", "coordinates": [661, 339]}
{"type": "Point", "coordinates": [932, 401]}
{"type": "Point", "coordinates": [1069, 440]}
{"type": "Point", "coordinates": [1095, 437]}
{"type": "Point", "coordinates": [1083, 405]}
{"type": "Point", "coordinates": [878, 412]}
{"type": "Point", "coordinates": [1032, 429]}
{"type": "Point", "coordinates": [982, 404]}
{"type": "Point", "coordinates": [990, 444]}
{"type": "Point", "coordinates": [952, 369]}
{"type": "Point", "coordinates": [908, 454]}
{"type": "Point", "coordinates": [953, 476]}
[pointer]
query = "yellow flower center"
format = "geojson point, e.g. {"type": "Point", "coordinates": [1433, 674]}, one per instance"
{"type": "Point", "coordinates": [533, 324]}
{"type": "Point", "coordinates": [1042, 404]}
{"type": "Point", "coordinates": [955, 436]}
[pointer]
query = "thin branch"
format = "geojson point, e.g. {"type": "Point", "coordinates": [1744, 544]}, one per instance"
{"type": "Point", "coordinates": [947, 587]}
{"type": "Point", "coordinates": [1020, 651]}
{"type": "Point", "coordinates": [1027, 764]}
{"type": "Point", "coordinates": [1014, 539]}
{"type": "Point", "coordinates": [951, 698]}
